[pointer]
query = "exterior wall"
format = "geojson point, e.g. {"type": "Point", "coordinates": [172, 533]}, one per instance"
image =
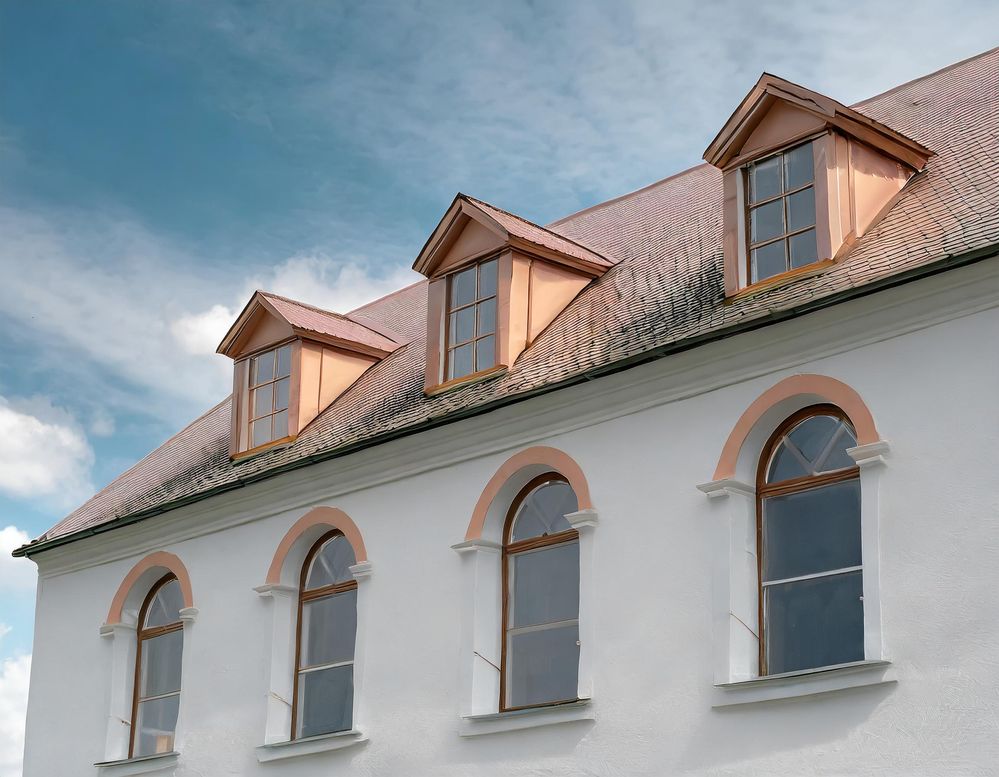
{"type": "Point", "coordinates": [645, 438]}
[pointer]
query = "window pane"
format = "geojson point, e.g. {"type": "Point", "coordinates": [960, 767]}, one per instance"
{"type": "Point", "coordinates": [460, 361]}
{"type": "Point", "coordinates": [544, 510]}
{"type": "Point", "coordinates": [464, 325]}
{"type": "Point", "coordinates": [487, 317]}
{"type": "Point", "coordinates": [769, 261]}
{"type": "Point", "coordinates": [814, 623]}
{"type": "Point", "coordinates": [280, 425]}
{"type": "Point", "coordinates": [283, 361]}
{"type": "Point", "coordinates": [281, 389]}
{"type": "Point", "coordinates": [463, 288]}
{"type": "Point", "coordinates": [263, 399]}
{"type": "Point", "coordinates": [325, 701]}
{"type": "Point", "coordinates": [165, 606]}
{"type": "Point", "coordinates": [331, 564]}
{"type": "Point", "coordinates": [811, 531]}
{"type": "Point", "coordinates": [260, 431]}
{"type": "Point", "coordinates": [545, 585]}
{"type": "Point", "coordinates": [798, 167]}
{"type": "Point", "coordinates": [803, 249]}
{"type": "Point", "coordinates": [328, 629]}
{"type": "Point", "coordinates": [817, 444]}
{"type": "Point", "coordinates": [543, 666]}
{"type": "Point", "coordinates": [767, 221]}
{"type": "Point", "coordinates": [487, 279]}
{"type": "Point", "coordinates": [485, 353]}
{"type": "Point", "coordinates": [156, 722]}
{"type": "Point", "coordinates": [788, 463]}
{"type": "Point", "coordinates": [765, 179]}
{"type": "Point", "coordinates": [160, 664]}
{"type": "Point", "coordinates": [801, 210]}
{"type": "Point", "coordinates": [263, 368]}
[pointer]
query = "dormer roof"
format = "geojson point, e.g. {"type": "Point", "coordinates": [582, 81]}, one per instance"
{"type": "Point", "coordinates": [770, 89]}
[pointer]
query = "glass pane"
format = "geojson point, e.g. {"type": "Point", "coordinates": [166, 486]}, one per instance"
{"type": "Point", "coordinates": [812, 531]}
{"type": "Point", "coordinates": [280, 425]}
{"type": "Point", "coordinates": [281, 389]}
{"type": "Point", "coordinates": [155, 724]}
{"type": "Point", "coordinates": [165, 606]}
{"type": "Point", "coordinates": [787, 463]}
{"type": "Point", "coordinates": [487, 317]}
{"type": "Point", "coordinates": [331, 564]}
{"type": "Point", "coordinates": [818, 444]}
{"type": "Point", "coordinates": [769, 261]}
{"type": "Point", "coordinates": [328, 629]}
{"type": "Point", "coordinates": [283, 361]}
{"type": "Point", "coordinates": [803, 249]}
{"type": "Point", "coordinates": [765, 179]}
{"type": "Point", "coordinates": [814, 623]}
{"type": "Point", "coordinates": [325, 701]}
{"type": "Point", "coordinates": [263, 399]}
{"type": "Point", "coordinates": [263, 368]}
{"type": "Point", "coordinates": [543, 666]}
{"type": "Point", "coordinates": [544, 510]}
{"type": "Point", "coordinates": [545, 585]}
{"type": "Point", "coordinates": [485, 353]}
{"type": "Point", "coordinates": [464, 325]}
{"type": "Point", "coordinates": [463, 288]}
{"type": "Point", "coordinates": [487, 279]}
{"type": "Point", "coordinates": [460, 361]}
{"type": "Point", "coordinates": [261, 431]}
{"type": "Point", "coordinates": [798, 167]}
{"type": "Point", "coordinates": [767, 221]}
{"type": "Point", "coordinates": [800, 210]}
{"type": "Point", "coordinates": [835, 456]}
{"type": "Point", "coordinates": [160, 664]}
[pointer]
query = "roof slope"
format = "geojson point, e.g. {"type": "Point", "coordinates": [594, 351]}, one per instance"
{"type": "Point", "coordinates": [666, 288]}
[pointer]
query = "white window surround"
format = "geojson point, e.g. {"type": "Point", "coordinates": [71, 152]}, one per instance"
{"type": "Point", "coordinates": [481, 635]}
{"type": "Point", "coordinates": [735, 593]}
{"type": "Point", "coordinates": [278, 743]}
{"type": "Point", "coordinates": [144, 764]}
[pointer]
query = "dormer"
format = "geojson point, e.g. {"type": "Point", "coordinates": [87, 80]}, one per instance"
{"type": "Point", "coordinates": [291, 361]}
{"type": "Point", "coordinates": [496, 282]}
{"type": "Point", "coordinates": [804, 177]}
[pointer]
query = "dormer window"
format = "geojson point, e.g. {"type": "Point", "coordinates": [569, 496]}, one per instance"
{"type": "Point", "coordinates": [270, 391]}
{"type": "Point", "coordinates": [471, 315]}
{"type": "Point", "coordinates": [781, 213]}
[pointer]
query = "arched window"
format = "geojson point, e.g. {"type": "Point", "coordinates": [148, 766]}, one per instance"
{"type": "Point", "coordinates": [809, 536]}
{"type": "Point", "coordinates": [540, 597]}
{"type": "Point", "coordinates": [327, 626]}
{"type": "Point", "coordinates": [156, 694]}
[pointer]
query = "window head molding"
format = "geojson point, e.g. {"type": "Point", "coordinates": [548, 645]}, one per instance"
{"type": "Point", "coordinates": [136, 584]}
{"type": "Point", "coordinates": [290, 554]}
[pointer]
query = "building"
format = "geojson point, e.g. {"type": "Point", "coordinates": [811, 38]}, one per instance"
{"type": "Point", "coordinates": [694, 481]}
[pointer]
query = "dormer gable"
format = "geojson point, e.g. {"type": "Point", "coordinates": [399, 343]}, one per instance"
{"type": "Point", "coordinates": [496, 282]}
{"type": "Point", "coordinates": [804, 177]}
{"type": "Point", "coordinates": [291, 362]}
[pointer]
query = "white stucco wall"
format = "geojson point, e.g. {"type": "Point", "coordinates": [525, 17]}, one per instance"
{"type": "Point", "coordinates": [923, 357]}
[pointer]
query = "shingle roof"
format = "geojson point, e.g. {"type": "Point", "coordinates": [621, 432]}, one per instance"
{"type": "Point", "coordinates": [666, 290]}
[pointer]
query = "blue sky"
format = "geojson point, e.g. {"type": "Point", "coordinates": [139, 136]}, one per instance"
{"type": "Point", "coordinates": [159, 161]}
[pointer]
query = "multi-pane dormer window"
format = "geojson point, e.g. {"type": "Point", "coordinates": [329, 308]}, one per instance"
{"type": "Point", "coordinates": [471, 320]}
{"type": "Point", "coordinates": [270, 384]}
{"type": "Point", "coordinates": [781, 213]}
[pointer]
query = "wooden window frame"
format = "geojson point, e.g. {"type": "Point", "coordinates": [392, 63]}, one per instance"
{"type": "Point", "coordinates": [308, 595]}
{"type": "Point", "coordinates": [474, 305]}
{"type": "Point", "coordinates": [765, 490]}
{"type": "Point", "coordinates": [252, 387]}
{"type": "Point", "coordinates": [142, 634]}
{"type": "Point", "coordinates": [511, 549]}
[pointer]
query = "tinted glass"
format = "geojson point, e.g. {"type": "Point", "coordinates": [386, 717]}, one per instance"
{"type": "Point", "coordinates": [155, 725]}
{"type": "Point", "coordinates": [284, 361]}
{"type": "Point", "coordinates": [261, 431]}
{"type": "Point", "coordinates": [803, 249]}
{"type": "Point", "coordinates": [263, 367]}
{"type": "Point", "coordinates": [460, 361]}
{"type": "Point", "coordinates": [463, 288]}
{"type": "Point", "coordinates": [329, 626]}
{"type": "Point", "coordinates": [331, 564]}
{"type": "Point", "coordinates": [769, 260]}
{"type": "Point", "coordinates": [325, 701]}
{"type": "Point", "coordinates": [813, 623]}
{"type": "Point", "coordinates": [543, 511]}
{"type": "Point", "coordinates": [463, 325]}
{"type": "Point", "coordinates": [812, 531]}
{"type": "Point", "coordinates": [817, 444]}
{"type": "Point", "coordinates": [263, 400]}
{"type": "Point", "coordinates": [165, 606]}
{"type": "Point", "coordinates": [281, 389]}
{"type": "Point", "coordinates": [487, 279]}
{"type": "Point", "coordinates": [280, 425]}
{"type": "Point", "coordinates": [767, 221]}
{"type": "Point", "coordinates": [487, 316]}
{"type": "Point", "coordinates": [485, 353]}
{"type": "Point", "coordinates": [765, 179]}
{"type": "Point", "coordinates": [798, 167]}
{"type": "Point", "coordinates": [545, 585]}
{"type": "Point", "coordinates": [160, 664]}
{"type": "Point", "coordinates": [801, 210]}
{"type": "Point", "coordinates": [543, 666]}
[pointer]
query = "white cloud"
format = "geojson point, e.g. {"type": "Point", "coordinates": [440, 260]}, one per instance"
{"type": "Point", "coordinates": [14, 674]}
{"type": "Point", "coordinates": [16, 574]}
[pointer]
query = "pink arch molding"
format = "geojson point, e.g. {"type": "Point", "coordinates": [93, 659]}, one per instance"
{"type": "Point", "coordinates": [828, 389]}
{"type": "Point", "coordinates": [162, 559]}
{"type": "Point", "coordinates": [317, 516]}
{"type": "Point", "coordinates": [551, 458]}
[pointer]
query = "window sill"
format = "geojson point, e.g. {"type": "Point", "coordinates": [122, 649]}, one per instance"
{"type": "Point", "coordinates": [533, 717]}
{"type": "Point", "coordinates": [282, 442]}
{"type": "Point", "coordinates": [296, 748]}
{"type": "Point", "coordinates": [465, 380]}
{"type": "Point", "coordinates": [807, 682]}
{"type": "Point", "coordinates": [143, 764]}
{"type": "Point", "coordinates": [815, 268]}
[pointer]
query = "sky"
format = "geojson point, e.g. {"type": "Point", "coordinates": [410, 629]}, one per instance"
{"type": "Point", "coordinates": [160, 161]}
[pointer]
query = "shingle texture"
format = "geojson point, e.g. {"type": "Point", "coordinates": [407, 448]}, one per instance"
{"type": "Point", "coordinates": [324, 322]}
{"type": "Point", "coordinates": [665, 288]}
